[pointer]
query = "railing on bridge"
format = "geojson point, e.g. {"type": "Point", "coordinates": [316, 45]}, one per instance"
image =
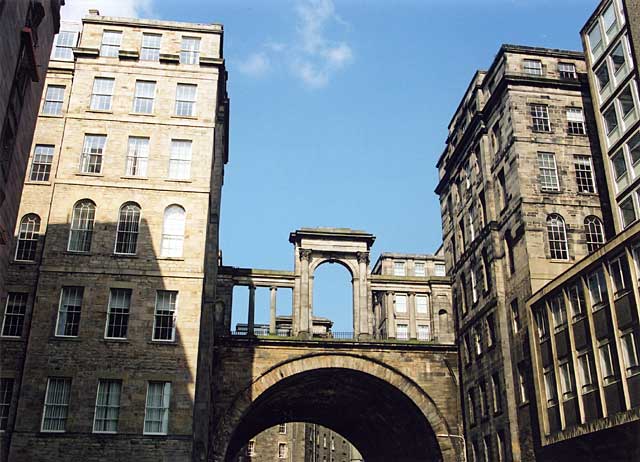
{"type": "Point", "coordinates": [329, 336]}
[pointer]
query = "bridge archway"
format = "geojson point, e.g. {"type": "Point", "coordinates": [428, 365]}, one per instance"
{"type": "Point", "coordinates": [380, 410]}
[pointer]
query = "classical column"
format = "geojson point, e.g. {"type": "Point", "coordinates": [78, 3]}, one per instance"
{"type": "Point", "coordinates": [305, 306]}
{"type": "Point", "coordinates": [272, 313]}
{"type": "Point", "coordinates": [412, 315]}
{"type": "Point", "coordinates": [391, 322]}
{"type": "Point", "coordinates": [252, 310]}
{"type": "Point", "coordinates": [363, 298]}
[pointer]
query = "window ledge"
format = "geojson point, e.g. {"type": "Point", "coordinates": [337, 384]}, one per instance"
{"type": "Point", "coordinates": [523, 403]}
{"type": "Point", "coordinates": [172, 343]}
{"type": "Point", "coordinates": [123, 255]}
{"type": "Point", "coordinates": [178, 181]}
{"type": "Point", "coordinates": [24, 262]}
{"type": "Point", "coordinates": [148, 114]}
{"type": "Point", "coordinates": [542, 131]}
{"type": "Point", "coordinates": [53, 116]}
{"type": "Point", "coordinates": [38, 183]}
{"type": "Point", "coordinates": [134, 177]}
{"type": "Point", "coordinates": [63, 338]}
{"type": "Point", "coordinates": [100, 111]}
{"type": "Point", "coordinates": [116, 340]}
{"type": "Point", "coordinates": [184, 117]}
{"type": "Point", "coordinates": [171, 258]}
{"type": "Point", "coordinates": [620, 294]}
{"type": "Point", "coordinates": [89, 174]}
{"type": "Point", "coordinates": [11, 338]}
{"type": "Point", "coordinates": [71, 252]}
{"type": "Point", "coordinates": [560, 260]}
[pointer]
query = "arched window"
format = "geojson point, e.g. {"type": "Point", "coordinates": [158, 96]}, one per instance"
{"type": "Point", "coordinates": [82, 226]}
{"type": "Point", "coordinates": [593, 230]}
{"type": "Point", "coordinates": [173, 231]}
{"type": "Point", "coordinates": [557, 234]}
{"type": "Point", "coordinates": [128, 228]}
{"type": "Point", "coordinates": [28, 235]}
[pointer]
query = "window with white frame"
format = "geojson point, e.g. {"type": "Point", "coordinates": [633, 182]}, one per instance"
{"type": "Point", "coordinates": [586, 369]}
{"type": "Point", "coordinates": [164, 321]}
{"type": "Point", "coordinates": [603, 77]}
{"type": "Point", "coordinates": [424, 333]}
{"type": "Point", "coordinates": [629, 341]}
{"type": "Point", "coordinates": [156, 413]}
{"type": "Point", "coordinates": [533, 66]}
{"type": "Point", "coordinates": [422, 304]}
{"type": "Point", "coordinates": [15, 309]}
{"type": "Point", "coordinates": [186, 100]}
{"type": "Point", "coordinates": [540, 118]}
{"type": "Point", "coordinates": [128, 229]}
{"type": "Point", "coordinates": [144, 96]}
{"type": "Point", "coordinates": [400, 301]}
{"type": "Point", "coordinates": [567, 71]}
{"type": "Point", "coordinates": [118, 313]}
{"type": "Point", "coordinates": [606, 361]}
{"type": "Point", "coordinates": [69, 310]}
{"type": "Point", "coordinates": [150, 49]}
{"type": "Point", "coordinates": [251, 448]}
{"type": "Point", "coordinates": [180, 160]}
{"type": "Point", "coordinates": [190, 50]}
{"type": "Point", "coordinates": [627, 104]}
{"type": "Point", "coordinates": [137, 156]}
{"type": "Point", "coordinates": [439, 269]}
{"type": "Point", "coordinates": [173, 231]}
{"type": "Point", "coordinates": [557, 235]}
{"type": "Point", "coordinates": [627, 211]}
{"type": "Point", "coordinates": [28, 237]}
{"type": "Point", "coordinates": [576, 299]}
{"type": "Point", "coordinates": [618, 59]}
{"type": "Point", "coordinates": [610, 120]}
{"type": "Point", "coordinates": [567, 380]}
{"type": "Point", "coordinates": [102, 93]}
{"type": "Point", "coordinates": [620, 170]}
{"type": "Point", "coordinates": [632, 148]}
{"type": "Point", "coordinates": [548, 172]}
{"type": "Point", "coordinates": [282, 429]}
{"type": "Point", "coordinates": [609, 20]}
{"type": "Point", "coordinates": [107, 410]}
{"type": "Point", "coordinates": [6, 392]}
{"type": "Point", "coordinates": [53, 100]}
{"type": "Point", "coordinates": [575, 121]}
{"type": "Point", "coordinates": [550, 387]}
{"type": "Point", "coordinates": [65, 42]}
{"type": "Point", "coordinates": [419, 268]}
{"type": "Point", "coordinates": [82, 221]}
{"type": "Point", "coordinates": [402, 331]}
{"type": "Point", "coordinates": [41, 164]}
{"type": "Point", "coordinates": [619, 270]}
{"type": "Point", "coordinates": [477, 340]}
{"type": "Point", "coordinates": [595, 40]}
{"type": "Point", "coordinates": [594, 232]}
{"type": "Point", "coordinates": [597, 288]}
{"type": "Point", "coordinates": [542, 322]}
{"type": "Point", "coordinates": [282, 450]}
{"type": "Point", "coordinates": [56, 405]}
{"type": "Point", "coordinates": [92, 152]}
{"type": "Point", "coordinates": [111, 40]}
{"type": "Point", "coordinates": [399, 268]}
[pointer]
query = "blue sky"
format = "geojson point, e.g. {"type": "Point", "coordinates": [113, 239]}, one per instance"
{"type": "Point", "coordinates": [339, 112]}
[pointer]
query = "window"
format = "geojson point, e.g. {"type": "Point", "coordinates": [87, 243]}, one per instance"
{"type": "Point", "coordinates": [419, 269]}
{"type": "Point", "coordinates": [541, 322]}
{"type": "Point", "coordinates": [164, 323]}
{"type": "Point", "coordinates": [144, 97]}
{"type": "Point", "coordinates": [618, 58]}
{"type": "Point", "coordinates": [540, 118]}
{"type": "Point", "coordinates": [558, 311]}
{"type": "Point", "coordinates": [128, 229]}
{"type": "Point", "coordinates": [282, 450]}
{"type": "Point", "coordinates": [619, 270]}
{"type": "Point", "coordinates": [575, 121]}
{"type": "Point", "coordinates": [137, 156]}
{"type": "Point", "coordinates": [603, 77]}
{"type": "Point", "coordinates": [107, 406]}
{"type": "Point", "coordinates": [53, 99]}
{"type": "Point", "coordinates": [424, 333]}
{"type": "Point", "coordinates": [550, 387]}
{"type": "Point", "coordinates": [41, 164]}
{"type": "Point", "coordinates": [630, 352]}
{"type": "Point", "coordinates": [548, 172]}
{"type": "Point", "coordinates": [92, 152]}
{"type": "Point", "coordinates": [595, 40]}
{"type": "Point", "coordinates": [399, 268]}
{"type": "Point", "coordinates": [110, 43]}
{"type": "Point", "coordinates": [150, 50]}
{"type": "Point", "coordinates": [65, 41]}
{"type": "Point", "coordinates": [567, 380]}
{"type": "Point", "coordinates": [69, 311]}
{"type": "Point", "coordinates": [633, 147]}
{"type": "Point", "coordinates": [576, 299]}
{"type": "Point", "coordinates": [609, 20]}
{"type": "Point", "coordinates": [486, 448]}
{"type": "Point", "coordinates": [401, 303]}
{"type": "Point", "coordinates": [56, 405]}
{"type": "Point", "coordinates": [586, 369]}
{"type": "Point", "coordinates": [522, 384]}
{"type": "Point", "coordinates": [474, 286]}
{"type": "Point", "coordinates": [472, 230]}
{"type": "Point", "coordinates": [567, 71]}
{"type": "Point", "coordinates": [14, 312]}
{"type": "Point", "coordinates": [466, 350]}
{"type": "Point", "coordinates": [594, 233]}
{"type": "Point", "coordinates": [282, 429]}
{"type": "Point", "coordinates": [173, 231]}
{"type": "Point", "coordinates": [490, 326]}
{"type": "Point", "coordinates": [6, 392]}
{"type": "Point", "coordinates": [186, 100]}
{"type": "Point", "coordinates": [610, 120]}
{"type": "Point", "coordinates": [627, 104]}
{"type": "Point", "coordinates": [627, 212]}
{"type": "Point", "coordinates": [180, 160]}
{"type": "Point", "coordinates": [495, 394]}
{"type": "Point", "coordinates": [102, 94]}
{"type": "Point", "coordinates": [597, 288]}
{"type": "Point", "coordinates": [557, 235]}
{"type": "Point", "coordinates": [477, 340]}
{"type": "Point", "coordinates": [190, 50]}
{"type": "Point", "coordinates": [118, 313]}
{"type": "Point", "coordinates": [515, 316]}
{"type": "Point", "coordinates": [619, 164]}
{"type": "Point", "coordinates": [156, 413]}
{"type": "Point", "coordinates": [439, 269]}
{"type": "Point", "coordinates": [251, 448]}
{"type": "Point", "coordinates": [501, 456]}
{"type": "Point", "coordinates": [502, 191]}
{"type": "Point", "coordinates": [533, 66]}
{"type": "Point", "coordinates": [82, 221]}
{"type": "Point", "coordinates": [422, 304]}
{"type": "Point", "coordinates": [402, 332]}
{"type": "Point", "coordinates": [606, 362]}
{"type": "Point", "coordinates": [484, 409]}
{"type": "Point", "coordinates": [28, 236]}
{"type": "Point", "coordinates": [471, 407]}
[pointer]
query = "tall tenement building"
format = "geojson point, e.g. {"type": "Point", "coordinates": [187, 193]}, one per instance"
{"type": "Point", "coordinates": [584, 330]}
{"type": "Point", "coordinates": [520, 192]}
{"type": "Point", "coordinates": [106, 323]}
{"type": "Point", "coordinates": [27, 28]}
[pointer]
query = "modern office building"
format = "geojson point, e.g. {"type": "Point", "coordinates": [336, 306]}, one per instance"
{"type": "Point", "coordinates": [112, 275]}
{"type": "Point", "coordinates": [520, 192]}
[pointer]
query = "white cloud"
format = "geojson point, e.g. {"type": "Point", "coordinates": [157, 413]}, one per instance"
{"type": "Point", "coordinates": [76, 9]}
{"type": "Point", "coordinates": [256, 65]}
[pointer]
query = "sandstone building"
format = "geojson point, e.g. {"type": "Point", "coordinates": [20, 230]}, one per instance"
{"type": "Point", "coordinates": [520, 192]}
{"type": "Point", "coordinates": [27, 28]}
{"type": "Point", "coordinates": [103, 331]}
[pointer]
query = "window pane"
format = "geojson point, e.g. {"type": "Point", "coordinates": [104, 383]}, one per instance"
{"type": "Point", "coordinates": [82, 226]}
{"type": "Point", "coordinates": [548, 172]}
{"type": "Point", "coordinates": [107, 409]}
{"type": "Point", "coordinates": [137, 156]}
{"type": "Point", "coordinates": [602, 74]}
{"type": "Point", "coordinates": [118, 315]}
{"type": "Point", "coordinates": [69, 311]}
{"type": "Point", "coordinates": [41, 165]}
{"type": "Point", "coordinates": [557, 237]}
{"type": "Point", "coordinates": [128, 228]}
{"type": "Point", "coordinates": [14, 312]}
{"type": "Point", "coordinates": [594, 233]}
{"type": "Point", "coordinates": [53, 100]}
{"type": "Point", "coordinates": [110, 43]}
{"type": "Point", "coordinates": [173, 231]}
{"type": "Point", "coordinates": [102, 93]}
{"type": "Point", "coordinates": [627, 212]}
{"type": "Point", "coordinates": [92, 151]}
{"type": "Point", "coordinates": [401, 303]}
{"type": "Point", "coordinates": [190, 50]}
{"type": "Point", "coordinates": [610, 119]}
{"type": "Point", "coordinates": [56, 405]}
{"type": "Point", "coordinates": [150, 50]}
{"type": "Point", "coordinates": [595, 39]}
{"type": "Point", "coordinates": [180, 160]}
{"type": "Point", "coordinates": [584, 174]}
{"type": "Point", "coordinates": [28, 237]}
{"type": "Point", "coordinates": [156, 418]}
{"type": "Point", "coordinates": [626, 102]}
{"type": "Point", "coordinates": [165, 315]}
{"type": "Point", "coordinates": [634, 148]}
{"type": "Point", "coordinates": [6, 393]}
